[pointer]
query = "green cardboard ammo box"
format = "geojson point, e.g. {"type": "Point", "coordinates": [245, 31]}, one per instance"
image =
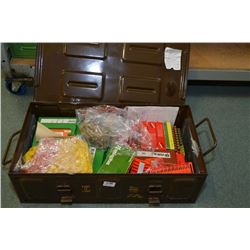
{"type": "Point", "coordinates": [58, 123]}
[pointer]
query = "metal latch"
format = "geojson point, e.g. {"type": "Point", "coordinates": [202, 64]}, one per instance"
{"type": "Point", "coordinates": [66, 199]}
{"type": "Point", "coordinates": [155, 189]}
{"type": "Point", "coordinates": [63, 189]}
{"type": "Point", "coordinates": [65, 193]}
{"type": "Point", "coordinates": [154, 201]}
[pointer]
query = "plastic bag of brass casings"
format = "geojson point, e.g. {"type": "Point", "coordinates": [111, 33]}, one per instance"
{"type": "Point", "coordinates": [104, 126]}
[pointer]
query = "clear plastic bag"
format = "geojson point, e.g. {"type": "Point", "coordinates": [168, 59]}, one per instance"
{"type": "Point", "coordinates": [139, 138]}
{"type": "Point", "coordinates": [53, 155]}
{"type": "Point", "coordinates": [106, 126]}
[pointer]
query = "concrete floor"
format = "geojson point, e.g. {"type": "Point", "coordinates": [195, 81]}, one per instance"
{"type": "Point", "coordinates": [228, 108]}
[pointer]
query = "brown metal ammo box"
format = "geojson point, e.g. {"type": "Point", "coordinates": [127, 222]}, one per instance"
{"type": "Point", "coordinates": [69, 76]}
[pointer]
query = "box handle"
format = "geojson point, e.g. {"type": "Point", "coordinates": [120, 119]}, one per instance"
{"type": "Point", "coordinates": [212, 147]}
{"type": "Point", "coordinates": [4, 160]}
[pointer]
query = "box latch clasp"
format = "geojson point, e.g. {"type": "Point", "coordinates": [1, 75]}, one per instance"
{"type": "Point", "coordinates": [65, 193]}
{"type": "Point", "coordinates": [154, 201]}
{"type": "Point", "coordinates": [154, 191]}
{"type": "Point", "coordinates": [66, 199]}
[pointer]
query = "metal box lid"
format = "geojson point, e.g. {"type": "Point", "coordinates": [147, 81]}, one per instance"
{"type": "Point", "coordinates": [114, 73]}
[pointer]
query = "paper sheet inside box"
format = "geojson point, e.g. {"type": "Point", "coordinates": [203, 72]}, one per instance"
{"type": "Point", "coordinates": [154, 114]}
